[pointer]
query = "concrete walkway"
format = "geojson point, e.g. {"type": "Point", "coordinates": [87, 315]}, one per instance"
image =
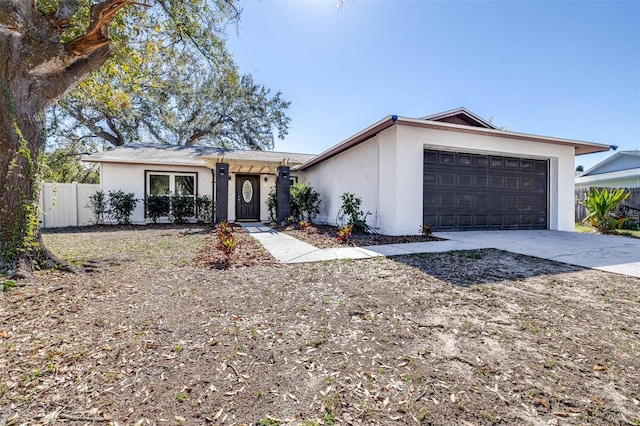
{"type": "Point", "coordinates": [287, 249]}
{"type": "Point", "coordinates": [607, 253]}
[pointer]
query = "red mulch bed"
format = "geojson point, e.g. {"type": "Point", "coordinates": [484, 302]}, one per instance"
{"type": "Point", "coordinates": [325, 236]}
{"type": "Point", "coordinates": [249, 252]}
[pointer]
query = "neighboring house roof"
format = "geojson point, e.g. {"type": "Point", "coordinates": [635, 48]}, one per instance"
{"type": "Point", "coordinates": [581, 147]}
{"type": "Point", "coordinates": [602, 177]}
{"type": "Point", "coordinates": [189, 155]}
{"type": "Point", "coordinates": [621, 160]}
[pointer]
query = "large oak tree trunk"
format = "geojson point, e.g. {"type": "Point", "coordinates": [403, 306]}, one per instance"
{"type": "Point", "coordinates": [36, 69]}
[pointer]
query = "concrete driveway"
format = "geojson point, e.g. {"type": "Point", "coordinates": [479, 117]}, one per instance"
{"type": "Point", "coordinates": [604, 252]}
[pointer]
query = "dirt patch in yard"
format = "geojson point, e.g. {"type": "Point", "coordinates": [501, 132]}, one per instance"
{"type": "Point", "coordinates": [325, 236]}
{"type": "Point", "coordinates": [474, 338]}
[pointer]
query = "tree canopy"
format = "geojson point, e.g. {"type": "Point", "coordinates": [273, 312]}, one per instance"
{"type": "Point", "coordinates": [49, 47]}
{"type": "Point", "coordinates": [160, 87]}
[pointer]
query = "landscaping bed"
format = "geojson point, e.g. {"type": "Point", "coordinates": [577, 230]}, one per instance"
{"type": "Point", "coordinates": [146, 336]}
{"type": "Point", "coordinates": [325, 236]}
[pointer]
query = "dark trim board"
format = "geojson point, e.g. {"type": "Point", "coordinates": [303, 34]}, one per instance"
{"type": "Point", "coordinates": [474, 191]}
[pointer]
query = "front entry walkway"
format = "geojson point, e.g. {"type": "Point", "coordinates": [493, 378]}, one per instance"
{"type": "Point", "coordinates": [287, 249]}
{"type": "Point", "coordinates": [607, 253]}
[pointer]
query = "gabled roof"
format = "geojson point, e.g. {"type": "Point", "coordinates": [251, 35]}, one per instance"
{"type": "Point", "coordinates": [606, 165]}
{"type": "Point", "coordinates": [136, 153]}
{"type": "Point", "coordinates": [581, 147]}
{"type": "Point", "coordinates": [460, 116]}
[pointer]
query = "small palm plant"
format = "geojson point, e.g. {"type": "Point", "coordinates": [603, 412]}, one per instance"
{"type": "Point", "coordinates": [601, 203]}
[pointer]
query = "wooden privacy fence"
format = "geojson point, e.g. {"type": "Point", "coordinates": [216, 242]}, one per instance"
{"type": "Point", "coordinates": [66, 204]}
{"type": "Point", "coordinates": [633, 202]}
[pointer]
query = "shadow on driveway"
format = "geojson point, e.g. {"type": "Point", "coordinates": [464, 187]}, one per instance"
{"type": "Point", "coordinates": [483, 266]}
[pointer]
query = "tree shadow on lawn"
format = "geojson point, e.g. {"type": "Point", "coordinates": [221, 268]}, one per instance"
{"type": "Point", "coordinates": [486, 266]}
{"type": "Point", "coordinates": [187, 228]}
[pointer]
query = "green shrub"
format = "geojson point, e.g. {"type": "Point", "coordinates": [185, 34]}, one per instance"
{"type": "Point", "coordinates": [121, 205]}
{"type": "Point", "coordinates": [271, 204]}
{"type": "Point", "coordinates": [99, 206]}
{"type": "Point", "coordinates": [156, 206]}
{"type": "Point", "coordinates": [601, 203]}
{"type": "Point", "coordinates": [353, 215]}
{"type": "Point", "coordinates": [182, 208]}
{"type": "Point", "coordinates": [204, 209]}
{"type": "Point", "coordinates": [305, 202]}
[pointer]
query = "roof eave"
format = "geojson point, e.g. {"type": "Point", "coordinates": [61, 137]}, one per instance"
{"type": "Point", "coordinates": [354, 140]}
{"type": "Point", "coordinates": [581, 147]}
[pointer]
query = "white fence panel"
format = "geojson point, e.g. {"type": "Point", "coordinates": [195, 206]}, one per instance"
{"type": "Point", "coordinates": [66, 204]}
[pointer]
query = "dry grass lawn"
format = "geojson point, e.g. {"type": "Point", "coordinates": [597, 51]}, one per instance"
{"type": "Point", "coordinates": [149, 335]}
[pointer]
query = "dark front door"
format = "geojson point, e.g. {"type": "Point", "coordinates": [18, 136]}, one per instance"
{"type": "Point", "coordinates": [479, 191]}
{"type": "Point", "coordinates": [247, 197]}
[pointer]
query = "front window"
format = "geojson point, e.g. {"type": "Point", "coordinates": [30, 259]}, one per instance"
{"type": "Point", "coordinates": [167, 185]}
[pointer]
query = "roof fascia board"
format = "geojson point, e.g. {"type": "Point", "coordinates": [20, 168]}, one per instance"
{"type": "Point", "coordinates": [125, 161]}
{"type": "Point", "coordinates": [354, 140]}
{"type": "Point", "coordinates": [581, 147]}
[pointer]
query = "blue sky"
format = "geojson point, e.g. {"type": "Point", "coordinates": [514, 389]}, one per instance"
{"type": "Point", "coordinates": [557, 68]}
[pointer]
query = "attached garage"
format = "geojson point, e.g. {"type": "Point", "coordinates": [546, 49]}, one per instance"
{"type": "Point", "coordinates": [473, 191]}
{"type": "Point", "coordinates": [452, 170]}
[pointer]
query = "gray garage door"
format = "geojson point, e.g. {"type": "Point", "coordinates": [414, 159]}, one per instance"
{"type": "Point", "coordinates": [464, 191]}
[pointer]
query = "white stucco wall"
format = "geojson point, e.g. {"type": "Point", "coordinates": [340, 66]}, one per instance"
{"type": "Point", "coordinates": [411, 142]}
{"type": "Point", "coordinates": [131, 178]}
{"type": "Point", "coordinates": [387, 172]}
{"type": "Point", "coordinates": [355, 171]}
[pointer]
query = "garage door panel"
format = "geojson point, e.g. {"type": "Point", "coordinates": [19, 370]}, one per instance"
{"type": "Point", "coordinates": [477, 191]}
{"type": "Point", "coordinates": [496, 162]}
{"type": "Point", "coordinates": [526, 165]}
{"type": "Point", "coordinates": [447, 200]}
{"type": "Point", "coordinates": [465, 180]}
{"type": "Point", "coordinates": [496, 182]}
{"type": "Point", "coordinates": [481, 181]}
{"type": "Point", "coordinates": [465, 200]}
{"type": "Point", "coordinates": [430, 157]}
{"type": "Point", "coordinates": [526, 183]}
{"type": "Point", "coordinates": [447, 158]}
{"type": "Point", "coordinates": [512, 164]}
{"type": "Point", "coordinates": [480, 221]}
{"type": "Point", "coordinates": [446, 221]}
{"type": "Point", "coordinates": [447, 179]}
{"type": "Point", "coordinates": [465, 160]}
{"type": "Point", "coordinates": [430, 179]}
{"type": "Point", "coordinates": [465, 221]}
{"type": "Point", "coordinates": [512, 182]}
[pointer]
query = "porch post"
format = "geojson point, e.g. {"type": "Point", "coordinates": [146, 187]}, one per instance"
{"type": "Point", "coordinates": [283, 196]}
{"type": "Point", "coordinates": [222, 191]}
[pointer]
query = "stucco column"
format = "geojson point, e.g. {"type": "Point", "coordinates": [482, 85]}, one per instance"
{"type": "Point", "coordinates": [283, 194]}
{"type": "Point", "coordinates": [221, 177]}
